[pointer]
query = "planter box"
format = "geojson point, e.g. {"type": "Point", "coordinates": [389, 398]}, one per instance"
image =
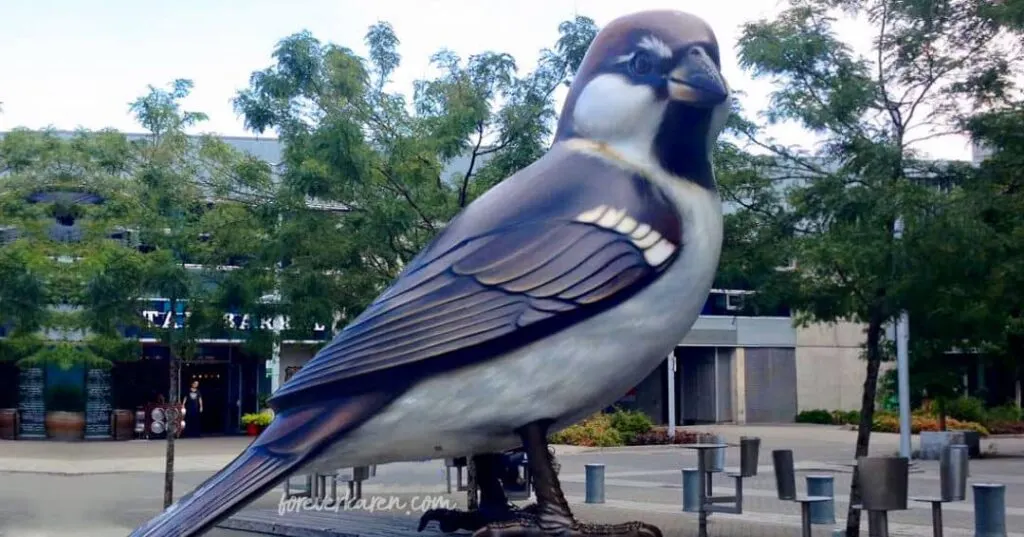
{"type": "Point", "coordinates": [973, 442]}
{"type": "Point", "coordinates": [933, 442]}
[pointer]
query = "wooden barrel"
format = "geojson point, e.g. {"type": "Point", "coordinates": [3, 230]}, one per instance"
{"type": "Point", "coordinates": [65, 426]}
{"type": "Point", "coordinates": [124, 424]}
{"type": "Point", "coordinates": [8, 423]}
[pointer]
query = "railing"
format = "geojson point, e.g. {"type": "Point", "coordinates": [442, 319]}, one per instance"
{"type": "Point", "coordinates": [737, 303]}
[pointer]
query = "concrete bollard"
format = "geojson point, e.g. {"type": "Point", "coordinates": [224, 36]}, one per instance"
{"type": "Point", "coordinates": [822, 512]}
{"type": "Point", "coordinates": [989, 510]}
{"type": "Point", "coordinates": [595, 483]}
{"type": "Point", "coordinates": [691, 490]}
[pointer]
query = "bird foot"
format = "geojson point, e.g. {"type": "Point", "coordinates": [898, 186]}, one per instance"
{"type": "Point", "coordinates": [452, 520]}
{"type": "Point", "coordinates": [530, 527]}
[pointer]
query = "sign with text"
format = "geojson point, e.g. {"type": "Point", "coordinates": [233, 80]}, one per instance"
{"type": "Point", "coordinates": [97, 404]}
{"type": "Point", "coordinates": [31, 404]}
{"type": "Point", "coordinates": [157, 314]}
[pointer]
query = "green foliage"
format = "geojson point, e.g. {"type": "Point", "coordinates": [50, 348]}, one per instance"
{"type": "Point", "coordinates": [19, 346]}
{"type": "Point", "coordinates": [595, 431]}
{"type": "Point", "coordinates": [888, 422]}
{"type": "Point", "coordinates": [660, 436]}
{"type": "Point", "coordinates": [64, 398]}
{"type": "Point", "coordinates": [1003, 414]}
{"type": "Point", "coordinates": [933, 65]}
{"type": "Point", "coordinates": [23, 295]}
{"type": "Point", "coordinates": [821, 417]}
{"type": "Point", "coordinates": [966, 409]}
{"type": "Point", "coordinates": [847, 417]}
{"type": "Point", "coordinates": [155, 193]}
{"type": "Point", "coordinates": [631, 424]}
{"type": "Point", "coordinates": [606, 429]}
{"type": "Point", "coordinates": [261, 419]}
{"type": "Point", "coordinates": [64, 355]}
{"type": "Point", "coordinates": [380, 157]}
{"type": "Point", "coordinates": [824, 417]}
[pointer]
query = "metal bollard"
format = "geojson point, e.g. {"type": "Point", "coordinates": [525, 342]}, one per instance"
{"type": "Point", "coordinates": [953, 465]}
{"type": "Point", "coordinates": [822, 512]}
{"type": "Point", "coordinates": [718, 455]}
{"type": "Point", "coordinates": [989, 510]}
{"type": "Point", "coordinates": [595, 483]}
{"type": "Point", "coordinates": [691, 490]}
{"type": "Point", "coordinates": [750, 447]}
{"type": "Point", "coordinates": [785, 476]}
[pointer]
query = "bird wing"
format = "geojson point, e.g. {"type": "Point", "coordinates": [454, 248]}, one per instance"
{"type": "Point", "coordinates": [293, 438]}
{"type": "Point", "coordinates": [564, 239]}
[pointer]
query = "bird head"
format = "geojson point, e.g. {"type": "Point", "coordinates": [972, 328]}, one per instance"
{"type": "Point", "coordinates": [650, 87]}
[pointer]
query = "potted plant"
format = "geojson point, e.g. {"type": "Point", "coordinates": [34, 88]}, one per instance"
{"type": "Point", "coordinates": [65, 416]}
{"type": "Point", "coordinates": [249, 420]}
{"type": "Point", "coordinates": [256, 422]}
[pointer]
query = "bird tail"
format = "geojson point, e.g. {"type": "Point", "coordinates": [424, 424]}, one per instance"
{"type": "Point", "coordinates": [292, 439]}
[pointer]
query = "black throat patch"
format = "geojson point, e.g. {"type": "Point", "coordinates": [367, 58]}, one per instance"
{"type": "Point", "coordinates": [681, 144]}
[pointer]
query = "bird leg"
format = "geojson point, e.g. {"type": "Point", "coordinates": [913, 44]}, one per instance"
{"type": "Point", "coordinates": [494, 505]}
{"type": "Point", "coordinates": [552, 514]}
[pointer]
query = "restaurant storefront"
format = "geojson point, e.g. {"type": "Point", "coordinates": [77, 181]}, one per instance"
{"type": "Point", "coordinates": [233, 376]}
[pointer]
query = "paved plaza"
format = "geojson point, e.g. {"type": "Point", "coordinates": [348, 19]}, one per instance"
{"type": "Point", "coordinates": [106, 489]}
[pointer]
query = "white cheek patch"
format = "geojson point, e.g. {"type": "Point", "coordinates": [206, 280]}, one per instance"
{"type": "Point", "coordinates": [719, 115]}
{"type": "Point", "coordinates": [611, 109]}
{"type": "Point", "coordinates": [655, 247]}
{"type": "Point", "coordinates": [655, 45]}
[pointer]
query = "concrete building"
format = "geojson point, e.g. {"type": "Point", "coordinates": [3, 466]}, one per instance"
{"type": "Point", "coordinates": [732, 367]}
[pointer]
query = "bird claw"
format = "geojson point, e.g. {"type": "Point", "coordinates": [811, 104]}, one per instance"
{"type": "Point", "coordinates": [528, 527]}
{"type": "Point", "coordinates": [452, 520]}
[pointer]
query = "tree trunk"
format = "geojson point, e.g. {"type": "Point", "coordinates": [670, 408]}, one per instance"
{"type": "Point", "coordinates": [941, 404]}
{"type": "Point", "coordinates": [867, 418]}
{"type": "Point", "coordinates": [472, 493]}
{"type": "Point", "coordinates": [173, 395]}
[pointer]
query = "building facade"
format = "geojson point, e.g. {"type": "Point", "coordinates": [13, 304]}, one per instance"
{"type": "Point", "coordinates": [733, 366]}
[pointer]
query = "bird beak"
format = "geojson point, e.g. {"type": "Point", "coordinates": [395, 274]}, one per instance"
{"type": "Point", "coordinates": [697, 82]}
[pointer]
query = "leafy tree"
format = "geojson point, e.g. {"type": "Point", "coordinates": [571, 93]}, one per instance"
{"type": "Point", "coordinates": [198, 210]}
{"type": "Point", "coordinates": [380, 157]}
{"type": "Point", "coordinates": [23, 301]}
{"type": "Point", "coordinates": [998, 193]}
{"type": "Point", "coordinates": [933, 64]}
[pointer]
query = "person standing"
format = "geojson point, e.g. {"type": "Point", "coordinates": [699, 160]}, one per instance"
{"type": "Point", "coordinates": [193, 404]}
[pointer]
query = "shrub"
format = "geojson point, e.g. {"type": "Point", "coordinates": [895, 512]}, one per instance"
{"type": "Point", "coordinates": [660, 437]}
{"type": "Point", "coordinates": [630, 423]}
{"type": "Point", "coordinates": [1005, 427]}
{"type": "Point", "coordinates": [845, 417]}
{"type": "Point", "coordinates": [888, 423]}
{"type": "Point", "coordinates": [261, 419]}
{"type": "Point", "coordinates": [966, 409]}
{"type": "Point", "coordinates": [1003, 414]}
{"type": "Point", "coordinates": [66, 398]}
{"type": "Point", "coordinates": [952, 424]}
{"type": "Point", "coordinates": [821, 417]}
{"type": "Point", "coordinates": [595, 431]}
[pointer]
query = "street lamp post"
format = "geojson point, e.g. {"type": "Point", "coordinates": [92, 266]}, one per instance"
{"type": "Point", "coordinates": [671, 374]}
{"type": "Point", "coordinates": [903, 367]}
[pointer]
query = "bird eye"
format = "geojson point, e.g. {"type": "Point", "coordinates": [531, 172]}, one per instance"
{"type": "Point", "coordinates": [641, 63]}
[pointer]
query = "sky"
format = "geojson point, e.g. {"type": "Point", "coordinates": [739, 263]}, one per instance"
{"type": "Point", "coordinates": [73, 64]}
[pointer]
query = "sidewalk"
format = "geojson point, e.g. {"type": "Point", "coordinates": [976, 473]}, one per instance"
{"type": "Point", "coordinates": [105, 457]}
{"type": "Point", "coordinates": [102, 457]}
{"type": "Point", "coordinates": [359, 522]}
